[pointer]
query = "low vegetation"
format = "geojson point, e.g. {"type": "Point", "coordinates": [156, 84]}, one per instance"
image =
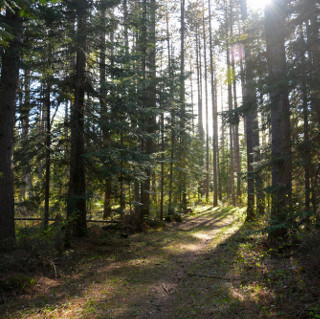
{"type": "Point", "coordinates": [211, 265]}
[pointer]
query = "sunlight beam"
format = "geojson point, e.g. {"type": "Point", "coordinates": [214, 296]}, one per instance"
{"type": "Point", "coordinates": [257, 5]}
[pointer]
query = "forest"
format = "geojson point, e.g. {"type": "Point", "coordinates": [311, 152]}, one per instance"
{"type": "Point", "coordinates": [160, 159]}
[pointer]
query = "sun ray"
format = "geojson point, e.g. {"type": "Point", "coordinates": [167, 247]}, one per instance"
{"type": "Point", "coordinates": [257, 4]}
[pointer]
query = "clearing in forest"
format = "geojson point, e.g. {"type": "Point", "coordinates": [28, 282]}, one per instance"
{"type": "Point", "coordinates": [209, 266]}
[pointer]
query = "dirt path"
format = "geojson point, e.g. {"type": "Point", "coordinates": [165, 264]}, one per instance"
{"type": "Point", "coordinates": [182, 271]}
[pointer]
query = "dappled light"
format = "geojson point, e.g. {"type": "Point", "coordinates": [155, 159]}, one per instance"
{"type": "Point", "coordinates": [159, 159]}
{"type": "Point", "coordinates": [212, 265]}
{"type": "Point", "coordinates": [149, 268]}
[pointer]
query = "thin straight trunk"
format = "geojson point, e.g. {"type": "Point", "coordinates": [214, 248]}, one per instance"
{"type": "Point", "coordinates": [199, 87]}
{"type": "Point", "coordinates": [22, 190]}
{"type": "Point", "coordinates": [199, 81]}
{"type": "Point", "coordinates": [214, 115]}
{"type": "Point", "coordinates": [47, 158]}
{"type": "Point", "coordinates": [41, 131]}
{"type": "Point", "coordinates": [207, 106]}
{"type": "Point", "coordinates": [231, 139]}
{"type": "Point", "coordinates": [183, 190]}
{"type": "Point", "coordinates": [252, 133]}
{"type": "Point", "coordinates": [107, 210]}
{"type": "Point", "coordinates": [10, 63]}
{"type": "Point", "coordinates": [217, 140]}
{"type": "Point", "coordinates": [145, 185]}
{"type": "Point", "coordinates": [162, 166]}
{"type": "Point", "coordinates": [243, 92]}
{"type": "Point", "coordinates": [223, 133]}
{"type": "Point", "coordinates": [314, 50]}
{"type": "Point", "coordinates": [172, 117]}
{"type": "Point", "coordinates": [306, 129]}
{"type": "Point", "coordinates": [235, 120]}
{"type": "Point", "coordinates": [122, 197]}
{"type": "Point", "coordinates": [149, 96]}
{"type": "Point", "coordinates": [126, 26]}
{"type": "Point", "coordinates": [192, 99]}
{"type": "Point", "coordinates": [24, 116]}
{"type": "Point", "coordinates": [280, 117]}
{"type": "Point", "coordinates": [76, 210]}
{"type": "Point", "coordinates": [313, 27]}
{"type": "Point", "coordinates": [162, 143]}
{"type": "Point", "coordinates": [306, 141]}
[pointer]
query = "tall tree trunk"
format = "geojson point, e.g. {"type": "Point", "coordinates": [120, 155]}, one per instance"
{"type": "Point", "coordinates": [235, 121]}
{"type": "Point", "coordinates": [24, 118]}
{"type": "Point", "coordinates": [280, 117]}
{"type": "Point", "coordinates": [183, 182]}
{"type": "Point", "coordinates": [306, 142]}
{"type": "Point", "coordinates": [76, 210]}
{"type": "Point", "coordinates": [223, 134]}
{"type": "Point", "coordinates": [199, 84]}
{"type": "Point", "coordinates": [243, 92]}
{"type": "Point", "coordinates": [307, 164]}
{"type": "Point", "coordinates": [149, 96]}
{"type": "Point", "coordinates": [107, 209]}
{"type": "Point", "coordinates": [252, 133]}
{"type": "Point", "coordinates": [230, 102]}
{"type": "Point", "coordinates": [199, 88]}
{"type": "Point", "coordinates": [10, 64]}
{"type": "Point", "coordinates": [47, 157]}
{"type": "Point", "coordinates": [214, 115]}
{"type": "Point", "coordinates": [313, 26]}
{"type": "Point", "coordinates": [172, 116]}
{"type": "Point", "coordinates": [192, 98]}
{"type": "Point", "coordinates": [207, 180]}
{"type": "Point", "coordinates": [162, 166]}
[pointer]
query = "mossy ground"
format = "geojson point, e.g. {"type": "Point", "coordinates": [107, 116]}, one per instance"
{"type": "Point", "coordinates": [209, 266]}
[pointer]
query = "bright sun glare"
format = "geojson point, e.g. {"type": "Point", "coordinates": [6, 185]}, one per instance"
{"type": "Point", "coordinates": [257, 4]}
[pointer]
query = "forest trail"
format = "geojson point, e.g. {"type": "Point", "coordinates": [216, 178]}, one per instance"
{"type": "Point", "coordinates": [187, 270]}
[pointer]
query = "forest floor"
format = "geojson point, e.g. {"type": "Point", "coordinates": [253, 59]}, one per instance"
{"type": "Point", "coordinates": [209, 266]}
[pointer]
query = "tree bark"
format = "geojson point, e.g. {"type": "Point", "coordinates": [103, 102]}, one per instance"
{"type": "Point", "coordinates": [251, 119]}
{"type": "Point", "coordinates": [183, 183]}
{"type": "Point", "coordinates": [231, 126]}
{"type": "Point", "coordinates": [47, 158]}
{"type": "Point", "coordinates": [214, 115]}
{"type": "Point", "coordinates": [235, 120]}
{"type": "Point", "coordinates": [207, 180]}
{"type": "Point", "coordinates": [172, 120]}
{"type": "Point", "coordinates": [149, 96]}
{"type": "Point", "coordinates": [280, 117]}
{"type": "Point", "coordinates": [10, 65]}
{"type": "Point", "coordinates": [76, 210]}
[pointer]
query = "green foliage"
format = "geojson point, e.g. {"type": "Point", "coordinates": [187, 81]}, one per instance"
{"type": "Point", "coordinates": [314, 312]}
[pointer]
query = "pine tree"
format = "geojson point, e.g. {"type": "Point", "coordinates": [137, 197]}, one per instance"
{"type": "Point", "coordinates": [275, 15]}
{"type": "Point", "coordinates": [8, 91]}
{"type": "Point", "coordinates": [76, 210]}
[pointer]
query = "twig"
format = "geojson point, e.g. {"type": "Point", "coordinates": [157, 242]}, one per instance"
{"type": "Point", "coordinates": [165, 288]}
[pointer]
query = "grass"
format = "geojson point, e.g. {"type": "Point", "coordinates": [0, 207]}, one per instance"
{"type": "Point", "coordinates": [209, 266]}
